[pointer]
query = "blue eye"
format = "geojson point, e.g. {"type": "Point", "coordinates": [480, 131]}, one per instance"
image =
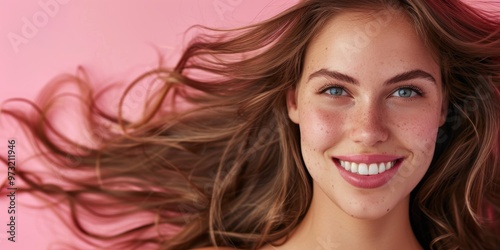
{"type": "Point", "coordinates": [406, 92]}
{"type": "Point", "coordinates": [336, 91]}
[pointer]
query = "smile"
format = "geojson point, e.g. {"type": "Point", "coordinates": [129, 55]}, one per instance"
{"type": "Point", "coordinates": [366, 168]}
{"type": "Point", "coordinates": [368, 171]}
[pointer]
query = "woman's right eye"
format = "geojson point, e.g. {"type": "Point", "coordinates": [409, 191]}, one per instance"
{"type": "Point", "coordinates": [335, 91]}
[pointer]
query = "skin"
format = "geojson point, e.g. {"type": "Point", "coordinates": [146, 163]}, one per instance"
{"type": "Point", "coordinates": [337, 118]}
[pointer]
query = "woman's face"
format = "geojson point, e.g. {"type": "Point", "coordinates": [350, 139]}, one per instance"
{"type": "Point", "coordinates": [368, 105]}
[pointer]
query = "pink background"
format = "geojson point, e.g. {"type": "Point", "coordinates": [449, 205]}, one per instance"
{"type": "Point", "coordinates": [113, 39]}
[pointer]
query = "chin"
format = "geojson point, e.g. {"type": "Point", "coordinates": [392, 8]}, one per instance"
{"type": "Point", "coordinates": [363, 213]}
{"type": "Point", "coordinates": [372, 207]}
{"type": "Point", "coordinates": [364, 204]}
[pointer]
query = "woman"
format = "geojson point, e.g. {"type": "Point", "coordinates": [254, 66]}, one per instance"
{"type": "Point", "coordinates": [334, 125]}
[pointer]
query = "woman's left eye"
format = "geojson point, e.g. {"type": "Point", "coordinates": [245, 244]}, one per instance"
{"type": "Point", "coordinates": [336, 91]}
{"type": "Point", "coordinates": [406, 92]}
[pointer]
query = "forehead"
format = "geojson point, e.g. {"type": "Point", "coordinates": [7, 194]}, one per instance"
{"type": "Point", "coordinates": [358, 42]}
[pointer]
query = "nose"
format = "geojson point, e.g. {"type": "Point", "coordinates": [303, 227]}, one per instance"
{"type": "Point", "coordinates": [368, 124]}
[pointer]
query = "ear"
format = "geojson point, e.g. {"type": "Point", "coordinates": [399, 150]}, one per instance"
{"type": "Point", "coordinates": [291, 104]}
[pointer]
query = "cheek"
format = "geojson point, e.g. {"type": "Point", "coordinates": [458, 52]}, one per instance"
{"type": "Point", "coordinates": [320, 127]}
{"type": "Point", "coordinates": [418, 139]}
{"type": "Point", "coordinates": [416, 132]}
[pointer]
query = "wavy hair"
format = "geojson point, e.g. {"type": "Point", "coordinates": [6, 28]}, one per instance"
{"type": "Point", "coordinates": [213, 159]}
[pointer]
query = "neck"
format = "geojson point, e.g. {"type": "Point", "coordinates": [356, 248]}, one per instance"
{"type": "Point", "coordinates": [326, 226]}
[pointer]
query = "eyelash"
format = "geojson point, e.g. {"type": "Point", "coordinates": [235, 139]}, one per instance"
{"type": "Point", "coordinates": [411, 87]}
{"type": "Point", "coordinates": [417, 90]}
{"type": "Point", "coordinates": [329, 86]}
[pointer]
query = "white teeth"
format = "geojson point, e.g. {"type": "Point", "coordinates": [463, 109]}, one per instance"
{"type": "Point", "coordinates": [389, 165]}
{"type": "Point", "coordinates": [366, 168]}
{"type": "Point", "coordinates": [381, 168]}
{"type": "Point", "coordinates": [347, 166]}
{"type": "Point", "coordinates": [362, 169]}
{"type": "Point", "coordinates": [373, 169]}
{"type": "Point", "coordinates": [354, 167]}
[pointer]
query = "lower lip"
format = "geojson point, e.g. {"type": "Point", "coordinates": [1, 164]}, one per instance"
{"type": "Point", "coordinates": [368, 181]}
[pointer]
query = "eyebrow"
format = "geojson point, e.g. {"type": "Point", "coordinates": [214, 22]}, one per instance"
{"type": "Point", "coordinates": [405, 76]}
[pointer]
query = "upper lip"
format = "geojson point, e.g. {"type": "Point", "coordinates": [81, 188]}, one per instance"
{"type": "Point", "coordinates": [368, 158]}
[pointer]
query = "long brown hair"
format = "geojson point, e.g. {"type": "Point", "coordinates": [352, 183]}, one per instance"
{"type": "Point", "coordinates": [225, 169]}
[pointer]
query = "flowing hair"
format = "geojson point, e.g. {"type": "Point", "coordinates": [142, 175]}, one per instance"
{"type": "Point", "coordinates": [214, 160]}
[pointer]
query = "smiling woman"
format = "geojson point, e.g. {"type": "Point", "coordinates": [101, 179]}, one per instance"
{"type": "Point", "coordinates": [364, 117]}
{"type": "Point", "coordinates": [344, 124]}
